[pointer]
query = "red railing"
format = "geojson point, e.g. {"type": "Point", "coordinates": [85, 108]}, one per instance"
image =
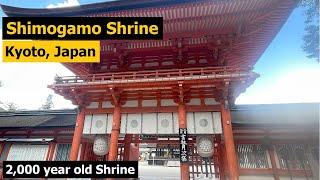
{"type": "Point", "coordinates": [153, 74]}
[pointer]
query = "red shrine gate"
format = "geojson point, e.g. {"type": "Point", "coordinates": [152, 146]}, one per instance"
{"type": "Point", "coordinates": [185, 101]}
{"type": "Point", "coordinates": [203, 63]}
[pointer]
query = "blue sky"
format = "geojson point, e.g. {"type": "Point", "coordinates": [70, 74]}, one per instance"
{"type": "Point", "coordinates": [287, 76]}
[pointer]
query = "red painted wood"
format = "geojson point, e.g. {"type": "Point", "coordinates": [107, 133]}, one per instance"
{"type": "Point", "coordinates": [113, 151]}
{"type": "Point", "coordinates": [77, 136]}
{"type": "Point", "coordinates": [184, 167]}
{"type": "Point", "coordinates": [229, 144]}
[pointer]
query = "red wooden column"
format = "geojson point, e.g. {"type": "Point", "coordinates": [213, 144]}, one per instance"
{"type": "Point", "coordinates": [83, 151]}
{"type": "Point", "coordinates": [127, 145]}
{"type": "Point", "coordinates": [49, 152]}
{"type": "Point", "coordinates": [52, 147]}
{"type": "Point", "coordinates": [229, 144]}
{"type": "Point", "coordinates": [273, 163]}
{"type": "Point", "coordinates": [220, 158]}
{"type": "Point", "coordinates": [184, 167]}
{"type": "Point", "coordinates": [113, 150]}
{"type": "Point", "coordinates": [77, 136]}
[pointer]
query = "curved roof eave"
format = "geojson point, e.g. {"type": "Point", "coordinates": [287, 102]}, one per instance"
{"type": "Point", "coordinates": [88, 9]}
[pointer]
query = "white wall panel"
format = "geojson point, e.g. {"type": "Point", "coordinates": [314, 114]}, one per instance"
{"type": "Point", "coordinates": [165, 123]}
{"type": "Point", "coordinates": [123, 127]}
{"type": "Point", "coordinates": [107, 104]}
{"type": "Point", "coordinates": [167, 102]}
{"type": "Point", "coordinates": [217, 126]}
{"type": "Point", "coordinates": [109, 123]}
{"type": "Point", "coordinates": [99, 124]}
{"type": "Point", "coordinates": [134, 123]}
{"type": "Point", "coordinates": [254, 177]}
{"type": "Point", "coordinates": [133, 103]}
{"type": "Point", "coordinates": [149, 103]}
{"type": "Point", "coordinates": [175, 123]}
{"type": "Point", "coordinates": [149, 123]}
{"type": "Point", "coordinates": [210, 101]}
{"type": "Point", "coordinates": [294, 178]}
{"type": "Point", "coordinates": [203, 122]}
{"type": "Point", "coordinates": [93, 105]}
{"type": "Point", "coordinates": [190, 123]}
{"type": "Point", "coordinates": [87, 124]}
{"type": "Point", "coordinates": [156, 123]}
{"type": "Point", "coordinates": [26, 152]}
{"type": "Point", "coordinates": [194, 101]}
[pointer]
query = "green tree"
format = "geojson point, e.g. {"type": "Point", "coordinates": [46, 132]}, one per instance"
{"type": "Point", "coordinates": [311, 36]}
{"type": "Point", "coordinates": [11, 106]}
{"type": "Point", "coordinates": [48, 104]}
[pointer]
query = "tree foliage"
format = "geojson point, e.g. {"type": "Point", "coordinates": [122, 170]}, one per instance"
{"type": "Point", "coordinates": [11, 106]}
{"type": "Point", "coordinates": [311, 37]}
{"type": "Point", "coordinates": [48, 104]}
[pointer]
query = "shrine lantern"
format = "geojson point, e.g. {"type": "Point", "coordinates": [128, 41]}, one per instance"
{"type": "Point", "coordinates": [205, 146]}
{"type": "Point", "coordinates": [101, 145]}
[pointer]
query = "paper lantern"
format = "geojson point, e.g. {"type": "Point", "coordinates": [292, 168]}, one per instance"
{"type": "Point", "coordinates": [101, 145]}
{"type": "Point", "coordinates": [205, 146]}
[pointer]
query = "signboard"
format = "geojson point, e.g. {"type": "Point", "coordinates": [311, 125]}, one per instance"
{"type": "Point", "coordinates": [183, 137]}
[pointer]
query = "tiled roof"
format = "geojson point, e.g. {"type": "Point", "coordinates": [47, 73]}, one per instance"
{"type": "Point", "coordinates": [277, 115]}
{"type": "Point", "coordinates": [37, 119]}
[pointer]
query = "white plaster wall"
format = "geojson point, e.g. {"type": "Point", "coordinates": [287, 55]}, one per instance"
{"type": "Point", "coordinates": [217, 126]}
{"type": "Point", "coordinates": [175, 123]}
{"type": "Point", "coordinates": [149, 103]}
{"type": "Point", "coordinates": [134, 123]}
{"type": "Point", "coordinates": [99, 124]}
{"type": "Point", "coordinates": [107, 104]}
{"type": "Point", "coordinates": [256, 177]}
{"type": "Point", "coordinates": [167, 102]}
{"type": "Point", "coordinates": [123, 127]}
{"type": "Point", "coordinates": [109, 123]}
{"type": "Point", "coordinates": [93, 105]}
{"type": "Point", "coordinates": [133, 103]}
{"type": "Point", "coordinates": [210, 101]}
{"type": "Point", "coordinates": [295, 178]}
{"type": "Point", "coordinates": [194, 101]}
{"type": "Point", "coordinates": [203, 116]}
{"type": "Point", "coordinates": [149, 123]}
{"type": "Point", "coordinates": [190, 123]}
{"type": "Point", "coordinates": [87, 124]}
{"type": "Point", "coordinates": [168, 128]}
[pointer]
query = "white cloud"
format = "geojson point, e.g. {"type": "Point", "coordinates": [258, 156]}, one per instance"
{"type": "Point", "coordinates": [66, 3]}
{"type": "Point", "coordinates": [25, 84]}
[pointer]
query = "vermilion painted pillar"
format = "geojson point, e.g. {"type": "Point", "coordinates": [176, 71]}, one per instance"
{"type": "Point", "coordinates": [273, 163]}
{"type": "Point", "coordinates": [83, 151]}
{"type": "Point", "coordinates": [222, 163]}
{"type": "Point", "coordinates": [49, 152]}
{"type": "Point", "coordinates": [127, 143]}
{"type": "Point", "coordinates": [184, 167]}
{"type": "Point", "coordinates": [113, 149]}
{"type": "Point", "coordinates": [220, 158]}
{"type": "Point", "coordinates": [52, 148]}
{"type": "Point", "coordinates": [229, 144]}
{"type": "Point", "coordinates": [77, 136]}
